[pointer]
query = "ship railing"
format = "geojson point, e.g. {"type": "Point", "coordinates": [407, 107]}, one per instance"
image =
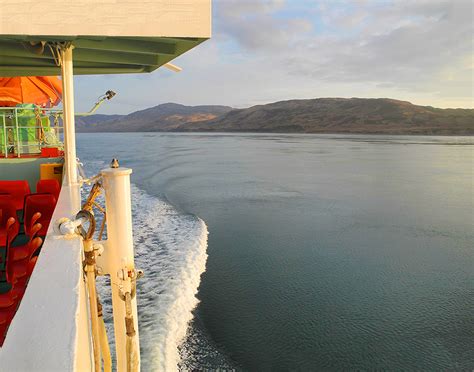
{"type": "Point", "coordinates": [29, 130]}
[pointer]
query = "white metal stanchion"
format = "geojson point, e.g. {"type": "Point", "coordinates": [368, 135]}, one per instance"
{"type": "Point", "coordinates": [120, 262]}
{"type": "Point", "coordinates": [68, 118]}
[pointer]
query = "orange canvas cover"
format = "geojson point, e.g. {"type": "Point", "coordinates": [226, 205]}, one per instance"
{"type": "Point", "coordinates": [45, 91]}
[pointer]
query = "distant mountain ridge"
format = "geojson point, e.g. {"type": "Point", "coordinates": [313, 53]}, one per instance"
{"type": "Point", "coordinates": [164, 117]}
{"type": "Point", "coordinates": [321, 115]}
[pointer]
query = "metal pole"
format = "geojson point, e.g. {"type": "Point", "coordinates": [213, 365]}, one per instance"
{"type": "Point", "coordinates": [104, 343]}
{"type": "Point", "coordinates": [5, 134]}
{"type": "Point", "coordinates": [120, 263]}
{"type": "Point", "coordinates": [89, 269]}
{"type": "Point", "coordinates": [68, 118]}
{"type": "Point", "coordinates": [18, 154]}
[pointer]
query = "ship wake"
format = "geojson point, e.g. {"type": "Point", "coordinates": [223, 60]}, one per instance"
{"type": "Point", "coordinates": [171, 248]}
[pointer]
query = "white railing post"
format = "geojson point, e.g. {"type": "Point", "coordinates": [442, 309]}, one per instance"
{"type": "Point", "coordinates": [4, 128]}
{"type": "Point", "coordinates": [70, 163]}
{"type": "Point", "coordinates": [18, 150]}
{"type": "Point", "coordinates": [120, 257]}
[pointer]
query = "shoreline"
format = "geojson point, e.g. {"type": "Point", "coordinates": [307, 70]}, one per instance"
{"type": "Point", "coordinates": [286, 133]}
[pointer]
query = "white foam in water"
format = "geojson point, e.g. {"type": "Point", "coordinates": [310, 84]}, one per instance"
{"type": "Point", "coordinates": [171, 248]}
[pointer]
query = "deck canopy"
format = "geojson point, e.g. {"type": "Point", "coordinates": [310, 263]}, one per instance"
{"type": "Point", "coordinates": [109, 36]}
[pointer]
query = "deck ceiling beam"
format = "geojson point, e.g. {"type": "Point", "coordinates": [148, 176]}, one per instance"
{"type": "Point", "coordinates": [92, 55]}
{"type": "Point", "coordinates": [89, 55]}
{"type": "Point", "coordinates": [26, 61]}
{"type": "Point", "coordinates": [12, 49]}
{"type": "Point", "coordinates": [130, 44]}
{"type": "Point", "coordinates": [85, 59]}
{"type": "Point", "coordinates": [5, 71]}
{"type": "Point", "coordinates": [16, 50]}
{"type": "Point", "coordinates": [133, 46]}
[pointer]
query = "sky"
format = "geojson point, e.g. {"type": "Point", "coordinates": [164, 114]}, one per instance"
{"type": "Point", "coordinates": [263, 51]}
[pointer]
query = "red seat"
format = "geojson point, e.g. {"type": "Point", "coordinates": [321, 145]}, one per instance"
{"type": "Point", "coordinates": [17, 190]}
{"type": "Point", "coordinates": [19, 262]}
{"type": "Point", "coordinates": [7, 211]}
{"type": "Point", "coordinates": [8, 299]}
{"type": "Point", "coordinates": [9, 228]}
{"type": "Point", "coordinates": [49, 186]}
{"type": "Point", "coordinates": [42, 203]}
{"type": "Point", "coordinates": [9, 303]}
{"type": "Point", "coordinates": [3, 331]}
{"type": "Point", "coordinates": [18, 272]}
{"type": "Point", "coordinates": [6, 314]}
{"type": "Point", "coordinates": [20, 269]}
{"type": "Point", "coordinates": [20, 252]}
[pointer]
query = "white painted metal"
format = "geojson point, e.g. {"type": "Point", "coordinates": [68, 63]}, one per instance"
{"type": "Point", "coordinates": [119, 252]}
{"type": "Point", "coordinates": [70, 163]}
{"type": "Point", "coordinates": [69, 227]}
{"type": "Point", "coordinates": [147, 18]}
{"type": "Point", "coordinates": [50, 331]}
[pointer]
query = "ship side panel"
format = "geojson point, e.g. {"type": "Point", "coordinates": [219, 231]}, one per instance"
{"type": "Point", "coordinates": [50, 329]}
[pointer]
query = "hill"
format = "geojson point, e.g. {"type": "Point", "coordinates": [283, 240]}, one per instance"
{"type": "Point", "coordinates": [165, 117]}
{"type": "Point", "coordinates": [322, 115]}
{"type": "Point", "coordinates": [84, 122]}
{"type": "Point", "coordinates": [342, 115]}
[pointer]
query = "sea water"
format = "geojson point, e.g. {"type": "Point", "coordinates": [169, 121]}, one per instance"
{"type": "Point", "coordinates": [324, 251]}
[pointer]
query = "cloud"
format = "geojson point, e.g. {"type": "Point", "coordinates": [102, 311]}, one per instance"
{"type": "Point", "coordinates": [407, 45]}
{"type": "Point", "coordinates": [262, 51]}
{"type": "Point", "coordinates": [252, 25]}
{"type": "Point", "coordinates": [412, 55]}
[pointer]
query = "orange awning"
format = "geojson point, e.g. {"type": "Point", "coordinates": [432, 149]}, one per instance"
{"type": "Point", "coordinates": [45, 91]}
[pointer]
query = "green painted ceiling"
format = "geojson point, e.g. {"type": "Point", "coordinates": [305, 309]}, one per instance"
{"type": "Point", "coordinates": [92, 54]}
